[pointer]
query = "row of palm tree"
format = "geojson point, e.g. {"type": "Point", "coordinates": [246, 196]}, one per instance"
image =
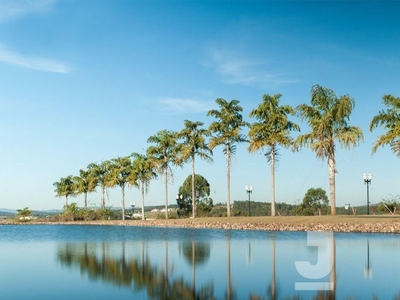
{"type": "Point", "coordinates": [328, 117]}
{"type": "Point", "coordinates": [136, 170]}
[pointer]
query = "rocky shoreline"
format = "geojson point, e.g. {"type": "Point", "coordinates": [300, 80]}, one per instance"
{"type": "Point", "coordinates": [389, 227]}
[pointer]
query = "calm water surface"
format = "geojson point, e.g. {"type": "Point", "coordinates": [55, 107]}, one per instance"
{"type": "Point", "coordinates": [117, 262]}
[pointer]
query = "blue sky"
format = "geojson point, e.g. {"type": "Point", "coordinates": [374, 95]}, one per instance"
{"type": "Point", "coordinates": [87, 81]}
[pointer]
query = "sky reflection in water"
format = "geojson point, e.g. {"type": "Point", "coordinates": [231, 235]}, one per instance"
{"type": "Point", "coordinates": [103, 262]}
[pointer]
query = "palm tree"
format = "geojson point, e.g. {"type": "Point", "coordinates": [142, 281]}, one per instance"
{"type": "Point", "coordinates": [390, 120]}
{"type": "Point", "coordinates": [65, 187]}
{"type": "Point", "coordinates": [142, 173]}
{"type": "Point", "coordinates": [164, 153]}
{"type": "Point", "coordinates": [84, 183]}
{"type": "Point", "coordinates": [194, 143]}
{"type": "Point", "coordinates": [100, 173]}
{"type": "Point", "coordinates": [227, 132]}
{"type": "Point", "coordinates": [328, 118]}
{"type": "Point", "coordinates": [272, 129]}
{"type": "Point", "coordinates": [119, 170]}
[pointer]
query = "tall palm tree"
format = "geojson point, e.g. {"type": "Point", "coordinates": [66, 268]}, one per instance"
{"type": "Point", "coordinates": [227, 132]}
{"type": "Point", "coordinates": [194, 143]}
{"type": "Point", "coordinates": [271, 129]}
{"type": "Point", "coordinates": [390, 120]}
{"type": "Point", "coordinates": [119, 170]}
{"type": "Point", "coordinates": [84, 183]}
{"type": "Point", "coordinates": [164, 153]}
{"type": "Point", "coordinates": [142, 173]}
{"type": "Point", "coordinates": [328, 117]}
{"type": "Point", "coordinates": [64, 188]}
{"type": "Point", "coordinates": [100, 172]}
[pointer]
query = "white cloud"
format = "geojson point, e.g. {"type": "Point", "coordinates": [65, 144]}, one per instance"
{"type": "Point", "coordinates": [237, 70]}
{"type": "Point", "coordinates": [179, 105]}
{"type": "Point", "coordinates": [14, 8]}
{"type": "Point", "coordinates": [34, 63]}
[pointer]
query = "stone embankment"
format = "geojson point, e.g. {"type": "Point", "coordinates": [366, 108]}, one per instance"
{"type": "Point", "coordinates": [373, 227]}
{"type": "Point", "coordinates": [341, 227]}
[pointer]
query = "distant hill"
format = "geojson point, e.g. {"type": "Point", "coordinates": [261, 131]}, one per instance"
{"type": "Point", "coordinates": [12, 212]}
{"type": "Point", "coordinates": [7, 212]}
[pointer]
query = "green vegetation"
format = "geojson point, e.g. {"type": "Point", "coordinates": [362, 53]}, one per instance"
{"type": "Point", "coordinates": [227, 132]}
{"type": "Point", "coordinates": [328, 117]}
{"type": "Point", "coordinates": [204, 203]}
{"type": "Point", "coordinates": [26, 212]}
{"type": "Point", "coordinates": [24, 215]}
{"type": "Point", "coordinates": [389, 120]}
{"type": "Point", "coordinates": [315, 202]}
{"type": "Point", "coordinates": [271, 129]}
{"type": "Point", "coordinates": [389, 205]}
{"type": "Point", "coordinates": [193, 144]}
{"type": "Point", "coordinates": [119, 173]}
{"type": "Point", "coordinates": [65, 188]}
{"type": "Point", "coordinates": [74, 213]}
{"type": "Point", "coordinates": [143, 171]}
{"type": "Point", "coordinates": [165, 153]}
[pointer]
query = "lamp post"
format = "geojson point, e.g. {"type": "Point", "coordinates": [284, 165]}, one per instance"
{"type": "Point", "coordinates": [367, 181]}
{"type": "Point", "coordinates": [249, 190]}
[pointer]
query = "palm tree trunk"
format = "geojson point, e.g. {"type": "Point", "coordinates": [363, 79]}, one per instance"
{"type": "Point", "coordinates": [166, 193]}
{"type": "Point", "coordinates": [86, 201]}
{"type": "Point", "coordinates": [142, 183]}
{"type": "Point", "coordinates": [103, 200]}
{"type": "Point", "coordinates": [229, 293]}
{"type": "Point", "coordinates": [228, 181]}
{"type": "Point", "coordinates": [273, 180]}
{"type": "Point", "coordinates": [193, 193]}
{"type": "Point", "coordinates": [123, 201]}
{"type": "Point", "coordinates": [332, 170]}
{"type": "Point", "coordinates": [193, 267]}
{"type": "Point", "coordinates": [66, 200]}
{"type": "Point", "coordinates": [333, 271]}
{"type": "Point", "coordinates": [273, 284]}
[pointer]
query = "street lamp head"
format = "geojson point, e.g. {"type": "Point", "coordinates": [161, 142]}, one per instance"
{"type": "Point", "coordinates": [367, 177]}
{"type": "Point", "coordinates": [251, 188]}
{"type": "Point", "coordinates": [247, 187]}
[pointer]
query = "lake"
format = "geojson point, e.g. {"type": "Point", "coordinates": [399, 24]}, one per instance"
{"type": "Point", "coordinates": [128, 262]}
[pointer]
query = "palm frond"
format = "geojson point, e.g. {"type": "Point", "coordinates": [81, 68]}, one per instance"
{"type": "Point", "coordinates": [272, 153]}
{"type": "Point", "coordinates": [389, 120]}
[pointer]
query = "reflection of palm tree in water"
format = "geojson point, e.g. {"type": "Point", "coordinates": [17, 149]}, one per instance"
{"type": "Point", "coordinates": [195, 253]}
{"type": "Point", "coordinates": [330, 294]}
{"type": "Point", "coordinates": [230, 294]}
{"type": "Point", "coordinates": [272, 287]}
{"type": "Point", "coordinates": [133, 273]}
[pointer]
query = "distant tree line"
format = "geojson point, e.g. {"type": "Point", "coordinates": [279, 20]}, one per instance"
{"type": "Point", "coordinates": [327, 116]}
